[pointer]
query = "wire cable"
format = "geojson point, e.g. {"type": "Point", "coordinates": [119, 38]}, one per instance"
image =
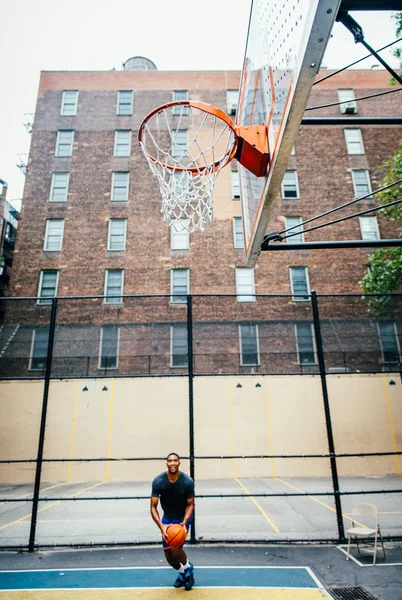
{"type": "Point", "coordinates": [355, 63]}
{"type": "Point", "coordinates": [328, 212]}
{"type": "Point", "coordinates": [364, 212]}
{"type": "Point", "coordinates": [399, 89]}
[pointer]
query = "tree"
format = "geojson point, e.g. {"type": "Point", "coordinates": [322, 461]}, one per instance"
{"type": "Point", "coordinates": [384, 273]}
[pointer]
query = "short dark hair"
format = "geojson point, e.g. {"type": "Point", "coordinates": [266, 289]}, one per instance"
{"type": "Point", "coordinates": [173, 454]}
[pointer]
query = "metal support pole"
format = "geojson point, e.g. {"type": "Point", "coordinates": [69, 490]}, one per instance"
{"type": "Point", "coordinates": [191, 396]}
{"type": "Point", "coordinates": [331, 445]}
{"type": "Point", "coordinates": [357, 32]}
{"type": "Point", "coordinates": [39, 460]}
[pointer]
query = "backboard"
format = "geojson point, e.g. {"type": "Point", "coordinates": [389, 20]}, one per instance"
{"type": "Point", "coordinates": [285, 45]}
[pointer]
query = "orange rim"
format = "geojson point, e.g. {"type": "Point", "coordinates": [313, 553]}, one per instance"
{"type": "Point", "coordinates": [207, 108]}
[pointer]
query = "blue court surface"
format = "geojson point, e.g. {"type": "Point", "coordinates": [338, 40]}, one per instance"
{"type": "Point", "coordinates": [229, 582]}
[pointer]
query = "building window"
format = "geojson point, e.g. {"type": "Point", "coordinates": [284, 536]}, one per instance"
{"type": "Point", "coordinates": [59, 187]}
{"type": "Point", "coordinates": [235, 185]}
{"type": "Point", "coordinates": [245, 286]}
{"type": "Point", "coordinates": [47, 286]}
{"type": "Point", "coordinates": [179, 235]}
{"type": "Point", "coordinates": [290, 185]}
{"type": "Point", "coordinates": [114, 286]}
{"type": "Point", "coordinates": [40, 341]}
{"type": "Point", "coordinates": [297, 232]}
{"type": "Point", "coordinates": [179, 95]}
{"type": "Point", "coordinates": [109, 347]}
{"type": "Point", "coordinates": [69, 103]}
{"type": "Point", "coordinates": [120, 184]}
{"type": "Point", "coordinates": [369, 228]}
{"type": "Point", "coordinates": [180, 183]}
{"type": "Point", "coordinates": [232, 101]}
{"type": "Point", "coordinates": [122, 143]}
{"type": "Point", "coordinates": [116, 240]}
{"type": "Point", "coordinates": [179, 346]}
{"type": "Point", "coordinates": [249, 350]}
{"type": "Point", "coordinates": [354, 141]}
{"type": "Point", "coordinates": [179, 285]}
{"type": "Point", "coordinates": [125, 102]}
{"type": "Point", "coordinates": [238, 234]}
{"type": "Point", "coordinates": [299, 284]}
{"type": "Point", "coordinates": [389, 342]}
{"type": "Point", "coordinates": [54, 235]}
{"type": "Point", "coordinates": [348, 106]}
{"type": "Point", "coordinates": [64, 143]}
{"type": "Point", "coordinates": [361, 183]}
{"type": "Point", "coordinates": [305, 343]}
{"type": "Point", "coordinates": [179, 145]}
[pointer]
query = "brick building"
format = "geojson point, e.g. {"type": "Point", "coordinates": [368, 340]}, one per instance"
{"type": "Point", "coordinates": [91, 225]}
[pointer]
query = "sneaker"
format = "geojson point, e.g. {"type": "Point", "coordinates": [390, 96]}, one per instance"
{"type": "Point", "coordinates": [179, 581]}
{"type": "Point", "coordinates": [189, 577]}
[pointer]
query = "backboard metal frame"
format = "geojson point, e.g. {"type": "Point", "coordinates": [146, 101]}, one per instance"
{"type": "Point", "coordinates": [285, 46]}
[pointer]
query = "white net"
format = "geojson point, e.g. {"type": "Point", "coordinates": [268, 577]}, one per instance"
{"type": "Point", "coordinates": [186, 149]}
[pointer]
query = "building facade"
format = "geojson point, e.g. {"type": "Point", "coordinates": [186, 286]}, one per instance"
{"type": "Point", "coordinates": [91, 226]}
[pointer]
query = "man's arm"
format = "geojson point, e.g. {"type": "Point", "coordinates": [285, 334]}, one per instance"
{"type": "Point", "coordinates": [189, 511]}
{"type": "Point", "coordinates": [155, 516]}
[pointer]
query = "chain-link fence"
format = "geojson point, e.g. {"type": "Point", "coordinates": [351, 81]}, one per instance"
{"type": "Point", "coordinates": [286, 410]}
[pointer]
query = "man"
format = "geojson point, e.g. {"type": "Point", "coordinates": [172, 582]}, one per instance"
{"type": "Point", "coordinates": [176, 492]}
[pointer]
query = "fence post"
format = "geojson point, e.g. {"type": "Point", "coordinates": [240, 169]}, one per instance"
{"type": "Point", "coordinates": [191, 396]}
{"type": "Point", "coordinates": [331, 445]}
{"type": "Point", "coordinates": [39, 459]}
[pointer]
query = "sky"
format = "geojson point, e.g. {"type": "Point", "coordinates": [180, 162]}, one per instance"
{"type": "Point", "coordinates": [82, 35]}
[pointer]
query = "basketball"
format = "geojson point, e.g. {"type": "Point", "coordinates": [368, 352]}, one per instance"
{"type": "Point", "coordinates": [176, 535]}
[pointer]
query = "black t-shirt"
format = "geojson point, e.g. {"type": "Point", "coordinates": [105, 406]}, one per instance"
{"type": "Point", "coordinates": [173, 496]}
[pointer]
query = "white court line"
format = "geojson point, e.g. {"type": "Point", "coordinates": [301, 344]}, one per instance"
{"type": "Point", "coordinates": [199, 587]}
{"type": "Point", "coordinates": [370, 565]}
{"type": "Point", "coordinates": [151, 568]}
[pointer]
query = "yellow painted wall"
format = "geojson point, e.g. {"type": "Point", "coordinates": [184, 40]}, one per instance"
{"type": "Point", "coordinates": [234, 415]}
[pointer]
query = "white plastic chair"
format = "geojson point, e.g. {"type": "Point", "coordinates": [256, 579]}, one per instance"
{"type": "Point", "coordinates": [360, 530]}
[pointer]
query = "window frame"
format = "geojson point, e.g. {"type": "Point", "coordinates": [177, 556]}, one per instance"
{"type": "Point", "coordinates": [398, 348]}
{"type": "Point", "coordinates": [342, 97]}
{"type": "Point", "coordinates": [110, 302]}
{"type": "Point", "coordinates": [109, 236]}
{"type": "Point", "coordinates": [116, 143]}
{"type": "Point", "coordinates": [348, 148]}
{"type": "Point", "coordinates": [235, 184]}
{"type": "Point", "coordinates": [248, 297]}
{"type": "Point", "coordinates": [46, 239]}
{"type": "Point", "coordinates": [47, 300]}
{"type": "Point", "coordinates": [120, 104]}
{"type": "Point", "coordinates": [354, 182]}
{"type": "Point", "coordinates": [257, 344]}
{"type": "Point", "coordinates": [175, 146]}
{"type": "Point", "coordinates": [103, 367]}
{"type": "Point", "coordinates": [373, 219]}
{"type": "Point", "coordinates": [63, 103]}
{"type": "Point", "coordinates": [236, 234]}
{"type": "Point", "coordinates": [53, 187]}
{"type": "Point", "coordinates": [296, 182]}
{"type": "Point", "coordinates": [230, 104]}
{"type": "Point", "coordinates": [179, 110]}
{"type": "Point", "coordinates": [294, 239]}
{"type": "Point", "coordinates": [175, 236]}
{"type": "Point", "coordinates": [31, 352]}
{"type": "Point", "coordinates": [301, 364]}
{"type": "Point", "coordinates": [57, 150]}
{"type": "Point", "coordinates": [172, 354]}
{"type": "Point", "coordinates": [179, 298]}
{"type": "Point", "coordinates": [303, 298]}
{"type": "Point", "coordinates": [112, 191]}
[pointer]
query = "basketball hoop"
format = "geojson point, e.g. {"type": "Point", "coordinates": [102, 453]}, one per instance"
{"type": "Point", "coordinates": [186, 145]}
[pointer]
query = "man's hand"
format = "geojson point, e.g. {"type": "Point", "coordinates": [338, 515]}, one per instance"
{"type": "Point", "coordinates": [163, 529]}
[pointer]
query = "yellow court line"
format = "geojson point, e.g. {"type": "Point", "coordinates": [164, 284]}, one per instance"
{"type": "Point", "coordinates": [73, 425]}
{"type": "Point", "coordinates": [50, 487]}
{"type": "Point", "coordinates": [262, 511]}
{"type": "Point", "coordinates": [110, 432]}
{"type": "Point", "coordinates": [271, 445]}
{"type": "Point", "coordinates": [344, 515]}
{"type": "Point", "coordinates": [391, 424]}
{"type": "Point", "coordinates": [50, 506]}
{"type": "Point", "coordinates": [232, 425]}
{"type": "Point", "coordinates": [220, 517]}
